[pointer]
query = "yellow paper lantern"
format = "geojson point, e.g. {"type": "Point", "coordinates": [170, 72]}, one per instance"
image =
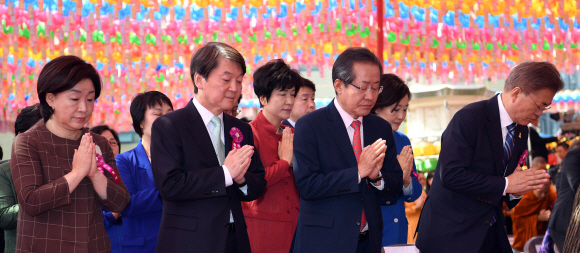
{"type": "Point", "coordinates": [202, 3]}
{"type": "Point", "coordinates": [168, 3]}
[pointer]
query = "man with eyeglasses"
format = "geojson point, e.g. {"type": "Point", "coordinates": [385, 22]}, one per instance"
{"type": "Point", "coordinates": [479, 165]}
{"type": "Point", "coordinates": [345, 159]}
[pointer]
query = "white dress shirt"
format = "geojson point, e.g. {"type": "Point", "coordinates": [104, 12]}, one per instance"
{"type": "Point", "coordinates": [292, 123]}
{"type": "Point", "coordinates": [206, 116]}
{"type": "Point", "coordinates": [505, 120]}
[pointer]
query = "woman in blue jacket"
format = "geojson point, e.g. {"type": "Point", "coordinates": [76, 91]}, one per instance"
{"type": "Point", "coordinates": [111, 220]}
{"type": "Point", "coordinates": [392, 106]}
{"type": "Point", "coordinates": [142, 216]}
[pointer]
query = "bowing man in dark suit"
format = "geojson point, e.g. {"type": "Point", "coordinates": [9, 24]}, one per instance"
{"type": "Point", "coordinates": [200, 176]}
{"type": "Point", "coordinates": [339, 181]}
{"type": "Point", "coordinates": [478, 165]}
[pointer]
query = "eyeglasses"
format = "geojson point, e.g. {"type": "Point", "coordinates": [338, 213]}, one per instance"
{"type": "Point", "coordinates": [541, 109]}
{"type": "Point", "coordinates": [113, 143]}
{"type": "Point", "coordinates": [370, 88]}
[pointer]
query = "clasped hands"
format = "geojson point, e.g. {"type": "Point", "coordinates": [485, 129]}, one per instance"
{"type": "Point", "coordinates": [84, 160]}
{"type": "Point", "coordinates": [523, 181]}
{"type": "Point", "coordinates": [371, 160]}
{"type": "Point", "coordinates": [238, 161]}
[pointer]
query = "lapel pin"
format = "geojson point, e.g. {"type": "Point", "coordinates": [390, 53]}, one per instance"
{"type": "Point", "coordinates": [520, 135]}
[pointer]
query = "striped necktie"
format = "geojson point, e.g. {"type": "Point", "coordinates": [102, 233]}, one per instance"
{"type": "Point", "coordinates": [508, 146]}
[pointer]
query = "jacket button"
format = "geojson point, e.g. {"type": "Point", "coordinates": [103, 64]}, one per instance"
{"type": "Point", "coordinates": [358, 223]}
{"type": "Point", "coordinates": [363, 199]}
{"type": "Point", "coordinates": [287, 197]}
{"type": "Point", "coordinates": [396, 220]}
{"type": "Point", "coordinates": [388, 202]}
{"type": "Point", "coordinates": [486, 222]}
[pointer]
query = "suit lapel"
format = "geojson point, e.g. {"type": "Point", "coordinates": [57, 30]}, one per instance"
{"type": "Point", "coordinates": [340, 135]}
{"type": "Point", "coordinates": [368, 135]}
{"type": "Point", "coordinates": [495, 135]}
{"type": "Point", "coordinates": [228, 124]}
{"type": "Point", "coordinates": [520, 141]}
{"type": "Point", "coordinates": [142, 159]}
{"type": "Point", "coordinates": [198, 131]}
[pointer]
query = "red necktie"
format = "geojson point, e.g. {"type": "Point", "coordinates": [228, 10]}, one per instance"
{"type": "Point", "coordinates": [357, 147]}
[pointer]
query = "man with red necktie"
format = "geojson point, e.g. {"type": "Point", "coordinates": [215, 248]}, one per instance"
{"type": "Point", "coordinates": [345, 158]}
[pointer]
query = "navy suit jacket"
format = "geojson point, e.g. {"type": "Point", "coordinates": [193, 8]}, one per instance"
{"type": "Point", "coordinates": [196, 202]}
{"type": "Point", "coordinates": [326, 174]}
{"type": "Point", "coordinates": [142, 216]}
{"type": "Point", "coordinates": [466, 194]}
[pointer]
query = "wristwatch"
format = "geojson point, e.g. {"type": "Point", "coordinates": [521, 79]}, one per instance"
{"type": "Point", "coordinates": [378, 178]}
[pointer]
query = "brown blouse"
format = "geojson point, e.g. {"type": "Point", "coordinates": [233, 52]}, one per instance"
{"type": "Point", "coordinates": [51, 219]}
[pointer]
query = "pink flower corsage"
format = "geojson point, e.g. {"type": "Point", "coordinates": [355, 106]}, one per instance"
{"type": "Point", "coordinates": [237, 137]}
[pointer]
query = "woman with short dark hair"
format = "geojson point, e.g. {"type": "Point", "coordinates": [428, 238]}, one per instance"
{"type": "Point", "coordinates": [392, 105]}
{"type": "Point", "coordinates": [142, 216]}
{"type": "Point", "coordinates": [111, 135]}
{"type": "Point", "coordinates": [63, 174]}
{"type": "Point", "coordinates": [272, 218]}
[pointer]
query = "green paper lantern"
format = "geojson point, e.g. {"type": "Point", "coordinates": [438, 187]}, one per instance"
{"type": "Point", "coordinates": [430, 164]}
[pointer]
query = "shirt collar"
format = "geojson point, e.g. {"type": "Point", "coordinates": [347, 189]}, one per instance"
{"type": "Point", "coordinates": [205, 114]}
{"type": "Point", "coordinates": [292, 123]}
{"type": "Point", "coordinates": [346, 118]}
{"type": "Point", "coordinates": [504, 117]}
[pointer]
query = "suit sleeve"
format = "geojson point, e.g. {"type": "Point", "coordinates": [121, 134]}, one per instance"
{"type": "Point", "coordinates": [254, 176]}
{"type": "Point", "coordinates": [571, 163]}
{"type": "Point", "coordinates": [142, 201]}
{"type": "Point", "coordinates": [457, 152]}
{"type": "Point", "coordinates": [311, 183]}
{"type": "Point", "coordinates": [391, 171]}
{"type": "Point", "coordinates": [35, 197]}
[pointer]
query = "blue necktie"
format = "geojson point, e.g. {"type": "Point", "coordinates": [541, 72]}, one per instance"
{"type": "Point", "coordinates": [508, 146]}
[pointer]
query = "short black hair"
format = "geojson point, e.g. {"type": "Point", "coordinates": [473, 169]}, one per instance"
{"type": "Point", "coordinates": [306, 83]}
{"type": "Point", "coordinates": [144, 101]}
{"type": "Point", "coordinates": [342, 68]}
{"type": "Point", "coordinates": [275, 75]}
{"type": "Point", "coordinates": [564, 145]}
{"type": "Point", "coordinates": [27, 118]}
{"type": "Point", "coordinates": [207, 58]}
{"type": "Point", "coordinates": [62, 74]}
{"type": "Point", "coordinates": [100, 129]}
{"type": "Point", "coordinates": [394, 89]}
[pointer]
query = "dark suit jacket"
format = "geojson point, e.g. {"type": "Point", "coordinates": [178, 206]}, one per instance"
{"type": "Point", "coordinates": [287, 123]}
{"type": "Point", "coordinates": [469, 182]}
{"type": "Point", "coordinates": [196, 202]}
{"type": "Point", "coordinates": [326, 174]}
{"type": "Point", "coordinates": [142, 216]}
{"type": "Point", "coordinates": [539, 144]}
{"type": "Point", "coordinates": [567, 186]}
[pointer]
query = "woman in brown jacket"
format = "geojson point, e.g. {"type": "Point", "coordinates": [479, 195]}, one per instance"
{"type": "Point", "coordinates": [57, 178]}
